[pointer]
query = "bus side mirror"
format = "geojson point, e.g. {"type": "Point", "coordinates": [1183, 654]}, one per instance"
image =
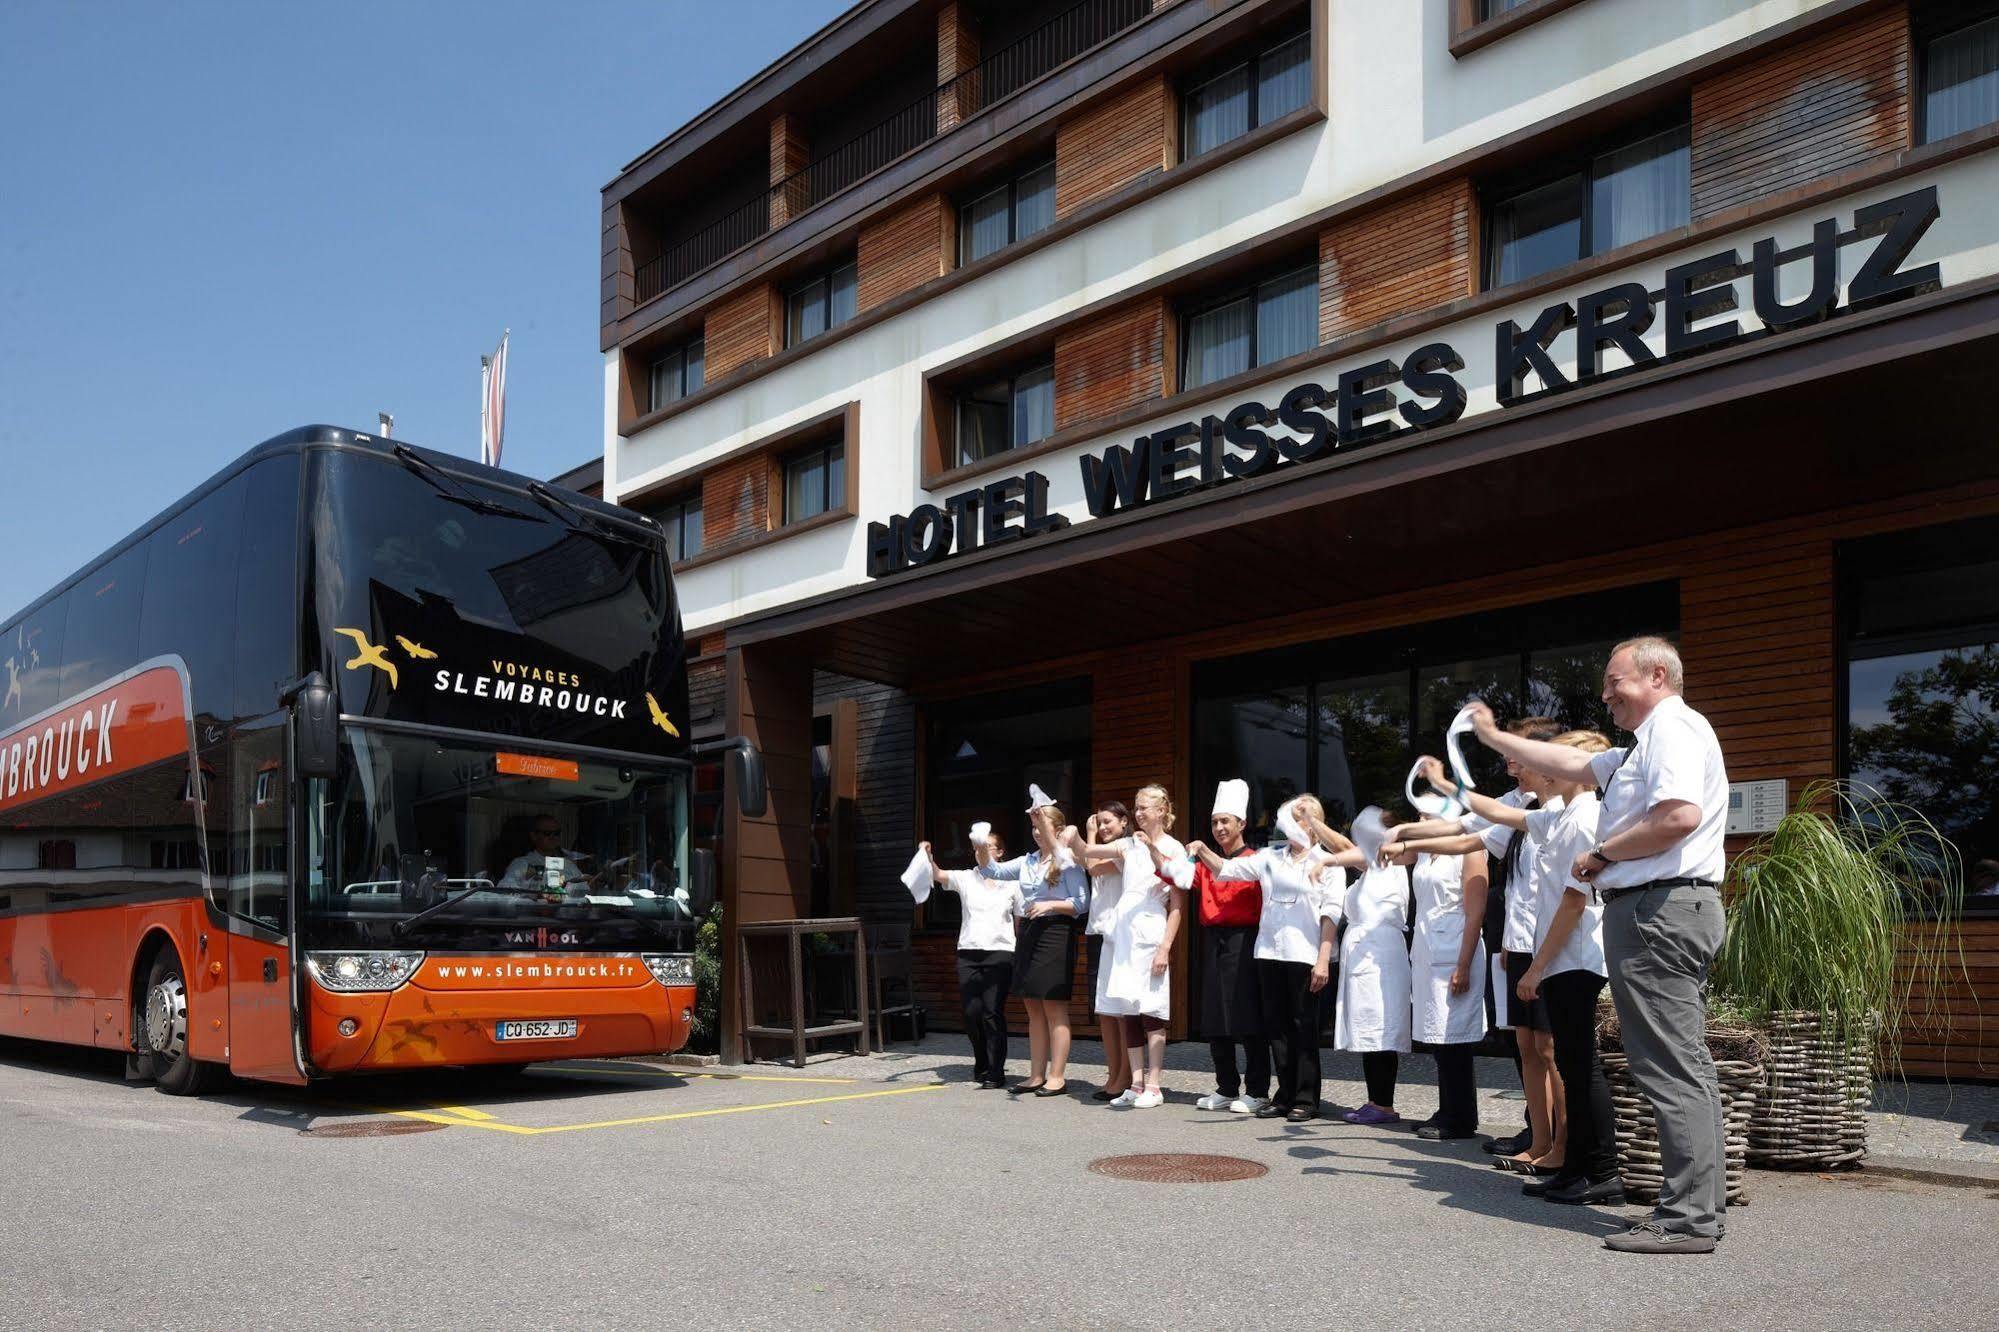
{"type": "Point", "coordinates": [701, 882]}
{"type": "Point", "coordinates": [746, 768]}
{"type": "Point", "coordinates": [315, 729]}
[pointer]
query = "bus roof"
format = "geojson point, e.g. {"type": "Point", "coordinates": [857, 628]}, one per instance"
{"type": "Point", "coordinates": [298, 440]}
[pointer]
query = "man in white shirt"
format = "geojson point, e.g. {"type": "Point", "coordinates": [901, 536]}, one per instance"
{"type": "Point", "coordinates": [530, 872]}
{"type": "Point", "coordinates": [1658, 864]}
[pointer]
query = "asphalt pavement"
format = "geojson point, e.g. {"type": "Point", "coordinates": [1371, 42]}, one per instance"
{"type": "Point", "coordinates": [875, 1192]}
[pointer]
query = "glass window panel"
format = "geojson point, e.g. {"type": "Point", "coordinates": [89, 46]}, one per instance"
{"type": "Point", "coordinates": [1443, 688]}
{"type": "Point", "coordinates": [696, 366]}
{"type": "Point", "coordinates": [1538, 230]}
{"type": "Point", "coordinates": [1490, 9]}
{"type": "Point", "coordinates": [983, 226]}
{"type": "Point", "coordinates": [1217, 343]}
{"type": "Point", "coordinates": [835, 493]}
{"type": "Point", "coordinates": [1961, 78]}
{"type": "Point", "coordinates": [1034, 405]}
{"type": "Point", "coordinates": [1566, 683]}
{"type": "Point", "coordinates": [1283, 79]}
{"type": "Point", "coordinates": [1287, 316]}
{"type": "Point", "coordinates": [1639, 190]}
{"type": "Point", "coordinates": [1363, 743]}
{"type": "Point", "coordinates": [1259, 736]}
{"type": "Point", "coordinates": [102, 633]}
{"type": "Point", "coordinates": [805, 314]}
{"type": "Point", "coordinates": [804, 486]}
{"type": "Point", "coordinates": [666, 379]}
{"type": "Point", "coordinates": [982, 422]}
{"type": "Point", "coordinates": [845, 288]}
{"type": "Point", "coordinates": [690, 529]}
{"type": "Point", "coordinates": [1217, 111]}
{"type": "Point", "coordinates": [669, 523]}
{"type": "Point", "coordinates": [31, 657]}
{"type": "Point", "coordinates": [1034, 202]}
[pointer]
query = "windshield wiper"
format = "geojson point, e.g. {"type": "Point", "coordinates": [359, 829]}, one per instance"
{"type": "Point", "coordinates": [584, 516]}
{"type": "Point", "coordinates": [449, 486]}
{"type": "Point", "coordinates": [403, 927]}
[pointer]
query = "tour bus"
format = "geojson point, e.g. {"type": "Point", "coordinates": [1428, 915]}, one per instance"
{"type": "Point", "coordinates": [361, 757]}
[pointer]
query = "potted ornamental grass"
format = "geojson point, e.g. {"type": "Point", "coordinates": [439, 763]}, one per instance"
{"type": "Point", "coordinates": [1841, 932]}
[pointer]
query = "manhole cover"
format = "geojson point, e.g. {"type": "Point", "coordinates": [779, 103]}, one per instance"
{"type": "Point", "coordinates": [371, 1128]}
{"type": "Point", "coordinates": [1177, 1168]}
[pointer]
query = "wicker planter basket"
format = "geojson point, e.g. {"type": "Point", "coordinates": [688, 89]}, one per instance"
{"type": "Point", "coordinates": [1811, 1111]}
{"type": "Point", "coordinates": [1738, 1065]}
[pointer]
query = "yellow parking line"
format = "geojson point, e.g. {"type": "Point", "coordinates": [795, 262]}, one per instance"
{"type": "Point", "coordinates": [688, 1077]}
{"type": "Point", "coordinates": [464, 1111]}
{"type": "Point", "coordinates": [489, 1123]}
{"type": "Point", "coordinates": [740, 1109]}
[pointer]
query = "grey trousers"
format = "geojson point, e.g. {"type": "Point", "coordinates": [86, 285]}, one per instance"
{"type": "Point", "coordinates": [1658, 944]}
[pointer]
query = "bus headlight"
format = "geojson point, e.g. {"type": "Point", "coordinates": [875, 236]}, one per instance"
{"type": "Point", "coordinates": [670, 968]}
{"type": "Point", "coordinates": [353, 972]}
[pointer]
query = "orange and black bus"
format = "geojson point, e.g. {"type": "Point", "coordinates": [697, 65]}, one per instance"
{"type": "Point", "coordinates": [360, 757]}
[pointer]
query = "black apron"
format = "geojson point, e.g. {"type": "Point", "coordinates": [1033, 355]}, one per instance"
{"type": "Point", "coordinates": [1231, 1003]}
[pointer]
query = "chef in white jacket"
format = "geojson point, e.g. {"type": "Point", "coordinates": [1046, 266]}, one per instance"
{"type": "Point", "coordinates": [1447, 1007]}
{"type": "Point", "coordinates": [985, 955]}
{"type": "Point", "coordinates": [1374, 1003]}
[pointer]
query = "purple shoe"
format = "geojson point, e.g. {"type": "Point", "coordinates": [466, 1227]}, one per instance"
{"type": "Point", "coordinates": [1368, 1114]}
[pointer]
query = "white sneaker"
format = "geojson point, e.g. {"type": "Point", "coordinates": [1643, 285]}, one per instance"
{"type": "Point", "coordinates": [1126, 1097]}
{"type": "Point", "coordinates": [1146, 1100]}
{"type": "Point", "coordinates": [1214, 1101]}
{"type": "Point", "coordinates": [1248, 1105]}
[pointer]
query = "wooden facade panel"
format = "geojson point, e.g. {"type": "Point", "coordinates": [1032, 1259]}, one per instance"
{"type": "Point", "coordinates": [741, 329]}
{"type": "Point", "coordinates": [904, 250]}
{"type": "Point", "coordinates": [1112, 143]}
{"type": "Point", "coordinates": [1834, 102]}
{"type": "Point", "coordinates": [1413, 254]}
{"type": "Point", "coordinates": [1110, 363]}
{"type": "Point", "coordinates": [735, 502]}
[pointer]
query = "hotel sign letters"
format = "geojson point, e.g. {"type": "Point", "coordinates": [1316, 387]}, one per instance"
{"type": "Point", "coordinates": [1384, 399]}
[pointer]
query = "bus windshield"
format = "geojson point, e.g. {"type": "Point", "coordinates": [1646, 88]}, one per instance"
{"type": "Point", "coordinates": [457, 844]}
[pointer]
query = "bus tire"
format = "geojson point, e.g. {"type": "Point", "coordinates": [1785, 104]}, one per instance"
{"type": "Point", "coordinates": [162, 1038]}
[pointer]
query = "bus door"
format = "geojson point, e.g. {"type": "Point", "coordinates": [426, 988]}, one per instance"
{"type": "Point", "coordinates": [260, 963]}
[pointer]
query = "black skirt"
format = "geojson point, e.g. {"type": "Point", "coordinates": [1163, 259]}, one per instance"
{"type": "Point", "coordinates": [1231, 1002]}
{"type": "Point", "coordinates": [1044, 958]}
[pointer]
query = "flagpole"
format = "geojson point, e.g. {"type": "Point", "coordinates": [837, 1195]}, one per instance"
{"type": "Point", "coordinates": [485, 404]}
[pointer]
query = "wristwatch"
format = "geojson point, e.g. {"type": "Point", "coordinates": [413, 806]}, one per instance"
{"type": "Point", "coordinates": [1597, 851]}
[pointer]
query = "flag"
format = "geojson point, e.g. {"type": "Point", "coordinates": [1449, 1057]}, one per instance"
{"type": "Point", "coordinates": [493, 403]}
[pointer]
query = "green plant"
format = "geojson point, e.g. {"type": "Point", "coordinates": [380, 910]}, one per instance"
{"type": "Point", "coordinates": [1845, 910]}
{"type": "Point", "coordinates": [707, 1034]}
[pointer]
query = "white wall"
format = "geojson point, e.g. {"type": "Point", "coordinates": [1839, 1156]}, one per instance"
{"type": "Point", "coordinates": [1399, 102]}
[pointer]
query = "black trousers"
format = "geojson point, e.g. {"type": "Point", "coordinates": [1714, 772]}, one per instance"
{"type": "Point", "coordinates": [1380, 1068]}
{"type": "Point", "coordinates": [1592, 1149]}
{"type": "Point", "coordinates": [983, 981]}
{"type": "Point", "coordinates": [1256, 1059]}
{"type": "Point", "coordinates": [1292, 1012]}
{"type": "Point", "coordinates": [1457, 1088]}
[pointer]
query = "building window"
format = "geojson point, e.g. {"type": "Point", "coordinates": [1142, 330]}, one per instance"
{"type": "Point", "coordinates": [1255, 92]}
{"type": "Point", "coordinates": [1960, 73]}
{"type": "Point", "coordinates": [1637, 189]}
{"type": "Point", "coordinates": [1006, 413]}
{"type": "Point", "coordinates": [1012, 212]}
{"type": "Point", "coordinates": [1267, 322]}
{"type": "Point", "coordinates": [815, 482]}
{"type": "Point", "coordinates": [827, 301]}
{"type": "Point", "coordinates": [680, 519]}
{"type": "Point", "coordinates": [1492, 9]}
{"type": "Point", "coordinates": [678, 373]}
{"type": "Point", "coordinates": [266, 787]}
{"type": "Point", "coordinates": [1921, 616]}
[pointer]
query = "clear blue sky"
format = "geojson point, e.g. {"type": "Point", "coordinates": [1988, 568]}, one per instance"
{"type": "Point", "coordinates": [218, 221]}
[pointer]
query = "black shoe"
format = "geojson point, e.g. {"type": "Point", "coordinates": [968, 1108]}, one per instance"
{"type": "Point", "coordinates": [1435, 1132]}
{"type": "Point", "coordinates": [1272, 1111]}
{"type": "Point", "coordinates": [1101, 1095]}
{"type": "Point", "coordinates": [1647, 1237]}
{"type": "Point", "coordinates": [1538, 1188]}
{"type": "Point", "coordinates": [1022, 1089]}
{"type": "Point", "coordinates": [1580, 1191]}
{"type": "Point", "coordinates": [993, 1084]}
{"type": "Point", "coordinates": [1512, 1146]}
{"type": "Point", "coordinates": [1298, 1114]}
{"type": "Point", "coordinates": [1045, 1090]}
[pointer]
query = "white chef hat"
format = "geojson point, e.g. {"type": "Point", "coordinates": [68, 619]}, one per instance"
{"type": "Point", "coordinates": [918, 878]}
{"type": "Point", "coordinates": [1037, 798]}
{"type": "Point", "coordinates": [1370, 832]}
{"type": "Point", "coordinates": [1232, 797]}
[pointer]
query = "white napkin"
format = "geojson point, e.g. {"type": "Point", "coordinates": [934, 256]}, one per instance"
{"type": "Point", "coordinates": [1370, 833]}
{"type": "Point", "coordinates": [917, 877]}
{"type": "Point", "coordinates": [1288, 829]}
{"type": "Point", "coordinates": [1430, 804]}
{"type": "Point", "coordinates": [1036, 798]}
{"type": "Point", "coordinates": [1461, 725]}
{"type": "Point", "coordinates": [981, 833]}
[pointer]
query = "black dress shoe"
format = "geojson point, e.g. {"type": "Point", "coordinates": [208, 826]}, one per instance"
{"type": "Point", "coordinates": [1512, 1146]}
{"type": "Point", "coordinates": [1272, 1111]}
{"type": "Point", "coordinates": [1045, 1090]}
{"type": "Point", "coordinates": [993, 1084]}
{"type": "Point", "coordinates": [1297, 1114]}
{"type": "Point", "coordinates": [1022, 1089]}
{"type": "Point", "coordinates": [1538, 1188]}
{"type": "Point", "coordinates": [1581, 1192]}
{"type": "Point", "coordinates": [1434, 1132]}
{"type": "Point", "coordinates": [1104, 1094]}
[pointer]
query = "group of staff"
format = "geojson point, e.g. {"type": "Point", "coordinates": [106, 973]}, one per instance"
{"type": "Point", "coordinates": [1601, 866]}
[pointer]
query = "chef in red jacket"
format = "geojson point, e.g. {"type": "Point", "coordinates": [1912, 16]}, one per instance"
{"type": "Point", "coordinates": [1231, 1010]}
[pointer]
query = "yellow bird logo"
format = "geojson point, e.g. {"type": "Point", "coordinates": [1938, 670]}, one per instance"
{"type": "Point", "coordinates": [368, 654]}
{"type": "Point", "coordinates": [659, 717]}
{"type": "Point", "coordinates": [417, 650]}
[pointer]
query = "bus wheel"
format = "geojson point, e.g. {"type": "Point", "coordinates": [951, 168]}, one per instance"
{"type": "Point", "coordinates": [163, 1035]}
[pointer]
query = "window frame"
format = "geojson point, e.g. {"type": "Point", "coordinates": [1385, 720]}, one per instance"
{"type": "Point", "coordinates": [834, 499]}
{"type": "Point", "coordinates": [681, 351]}
{"type": "Point", "coordinates": [1214, 74]}
{"type": "Point", "coordinates": [1929, 23]}
{"type": "Point", "coordinates": [1186, 314]}
{"type": "Point", "coordinates": [1579, 164]}
{"type": "Point", "coordinates": [679, 504]}
{"type": "Point", "coordinates": [1012, 190]}
{"type": "Point", "coordinates": [824, 280]}
{"type": "Point", "coordinates": [961, 396]}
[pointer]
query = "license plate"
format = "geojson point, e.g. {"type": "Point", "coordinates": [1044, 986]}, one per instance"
{"type": "Point", "coordinates": [543, 1029]}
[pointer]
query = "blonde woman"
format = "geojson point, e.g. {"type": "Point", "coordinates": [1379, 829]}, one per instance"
{"type": "Point", "coordinates": [1302, 888]}
{"type": "Point", "coordinates": [1052, 894]}
{"type": "Point", "coordinates": [1152, 901]}
{"type": "Point", "coordinates": [1111, 822]}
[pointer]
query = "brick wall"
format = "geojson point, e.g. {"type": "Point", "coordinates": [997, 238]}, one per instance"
{"type": "Point", "coordinates": [1108, 145]}
{"type": "Point", "coordinates": [1812, 109]}
{"type": "Point", "coordinates": [1411, 255]}
{"type": "Point", "coordinates": [1111, 362]}
{"type": "Point", "coordinates": [740, 329]}
{"type": "Point", "coordinates": [904, 249]}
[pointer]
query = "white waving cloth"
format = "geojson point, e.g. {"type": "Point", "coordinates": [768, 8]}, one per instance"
{"type": "Point", "coordinates": [981, 833]}
{"type": "Point", "coordinates": [1037, 798]}
{"type": "Point", "coordinates": [1289, 828]}
{"type": "Point", "coordinates": [1430, 804]}
{"type": "Point", "coordinates": [1461, 726]}
{"type": "Point", "coordinates": [917, 878]}
{"type": "Point", "coordinates": [1370, 832]}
